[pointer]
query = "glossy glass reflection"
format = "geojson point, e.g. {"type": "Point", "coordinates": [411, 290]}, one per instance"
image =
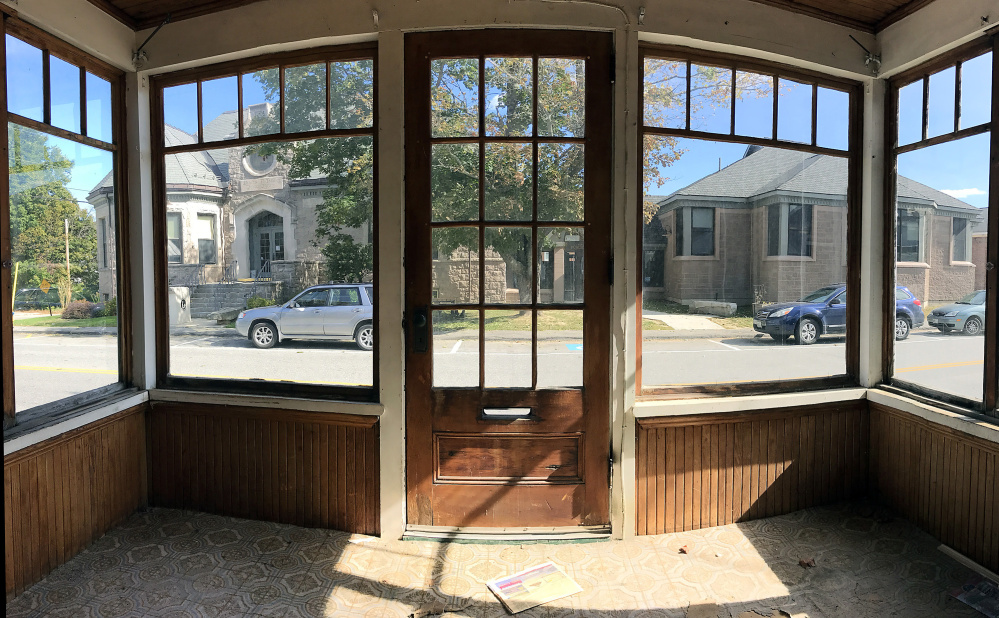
{"type": "Point", "coordinates": [509, 94]}
{"type": "Point", "coordinates": [710, 99]}
{"type": "Point", "coordinates": [261, 100]}
{"type": "Point", "coordinates": [509, 182]}
{"type": "Point", "coordinates": [665, 93]}
{"type": "Point", "coordinates": [454, 185]}
{"type": "Point", "coordinates": [560, 182]}
{"type": "Point", "coordinates": [454, 97]}
{"type": "Point", "coordinates": [561, 97]}
{"type": "Point", "coordinates": [351, 94]}
{"type": "Point", "coordinates": [305, 98]}
{"type": "Point", "coordinates": [24, 79]}
{"type": "Point", "coordinates": [64, 86]}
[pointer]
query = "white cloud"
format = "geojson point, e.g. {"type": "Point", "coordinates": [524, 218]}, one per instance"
{"type": "Point", "coordinates": [962, 193]}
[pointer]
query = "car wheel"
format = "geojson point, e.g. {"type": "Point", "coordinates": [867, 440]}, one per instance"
{"type": "Point", "coordinates": [807, 332]}
{"type": "Point", "coordinates": [901, 328]}
{"type": "Point", "coordinates": [263, 335]}
{"type": "Point", "coordinates": [365, 337]}
{"type": "Point", "coordinates": [973, 326]}
{"type": "Point", "coordinates": [780, 338]}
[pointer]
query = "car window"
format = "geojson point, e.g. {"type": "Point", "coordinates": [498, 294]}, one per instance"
{"type": "Point", "coordinates": [901, 295]}
{"type": "Point", "coordinates": [313, 298]}
{"type": "Point", "coordinates": [346, 296]}
{"type": "Point", "coordinates": [840, 300]}
{"type": "Point", "coordinates": [370, 294]}
{"type": "Point", "coordinates": [818, 296]}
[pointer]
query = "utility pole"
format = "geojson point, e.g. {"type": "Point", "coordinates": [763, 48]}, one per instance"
{"type": "Point", "coordinates": [69, 280]}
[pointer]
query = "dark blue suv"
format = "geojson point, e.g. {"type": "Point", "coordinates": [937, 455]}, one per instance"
{"type": "Point", "coordinates": [823, 312]}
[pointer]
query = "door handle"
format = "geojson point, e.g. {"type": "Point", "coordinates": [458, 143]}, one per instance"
{"type": "Point", "coordinates": [420, 335]}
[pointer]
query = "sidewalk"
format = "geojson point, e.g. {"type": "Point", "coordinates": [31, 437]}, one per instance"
{"type": "Point", "coordinates": [198, 327]}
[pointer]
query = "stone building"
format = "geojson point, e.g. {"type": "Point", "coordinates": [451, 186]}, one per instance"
{"type": "Point", "coordinates": [772, 227]}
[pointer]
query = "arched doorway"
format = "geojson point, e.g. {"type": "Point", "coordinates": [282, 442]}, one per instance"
{"type": "Point", "coordinates": [266, 241]}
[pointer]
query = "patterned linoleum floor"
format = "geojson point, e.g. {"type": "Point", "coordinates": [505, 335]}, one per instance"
{"type": "Point", "coordinates": [174, 563]}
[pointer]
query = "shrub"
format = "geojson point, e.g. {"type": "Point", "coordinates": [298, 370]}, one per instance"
{"type": "Point", "coordinates": [78, 310]}
{"type": "Point", "coordinates": [254, 302]}
{"type": "Point", "coordinates": [110, 308]}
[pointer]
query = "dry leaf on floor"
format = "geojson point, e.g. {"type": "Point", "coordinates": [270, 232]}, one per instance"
{"type": "Point", "coordinates": [806, 563]}
{"type": "Point", "coordinates": [438, 608]}
{"type": "Point", "coordinates": [684, 550]}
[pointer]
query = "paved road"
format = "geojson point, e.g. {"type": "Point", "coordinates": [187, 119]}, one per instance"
{"type": "Point", "coordinates": [52, 366]}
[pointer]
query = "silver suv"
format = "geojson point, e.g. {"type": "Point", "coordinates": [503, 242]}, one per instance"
{"type": "Point", "coordinates": [331, 311]}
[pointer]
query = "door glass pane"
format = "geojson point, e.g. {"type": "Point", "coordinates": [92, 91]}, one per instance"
{"type": "Point", "coordinates": [454, 182]}
{"type": "Point", "coordinates": [98, 108]}
{"type": "Point", "coordinates": [560, 265]}
{"type": "Point", "coordinates": [305, 98]}
{"type": "Point", "coordinates": [794, 111]}
{"type": "Point", "coordinates": [508, 265]}
{"type": "Point", "coordinates": [456, 348]}
{"type": "Point", "coordinates": [560, 349]}
{"type": "Point", "coordinates": [976, 91]}
{"type": "Point", "coordinates": [508, 177]}
{"type": "Point", "coordinates": [508, 349]}
{"type": "Point", "coordinates": [59, 191]}
{"type": "Point", "coordinates": [219, 101]}
{"type": "Point", "coordinates": [351, 90]}
{"type": "Point", "coordinates": [710, 99]}
{"type": "Point", "coordinates": [561, 97]}
{"type": "Point", "coordinates": [560, 182]}
{"type": "Point", "coordinates": [261, 98]}
{"type": "Point", "coordinates": [754, 105]}
{"type": "Point", "coordinates": [665, 93]}
{"type": "Point", "coordinates": [454, 97]}
{"type": "Point", "coordinates": [509, 90]}
{"type": "Point", "coordinates": [180, 112]}
{"type": "Point", "coordinates": [945, 351]}
{"type": "Point", "coordinates": [455, 265]}
{"type": "Point", "coordinates": [64, 80]}
{"type": "Point", "coordinates": [24, 79]}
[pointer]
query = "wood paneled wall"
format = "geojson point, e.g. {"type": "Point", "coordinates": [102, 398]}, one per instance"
{"type": "Point", "coordinates": [62, 494]}
{"type": "Point", "coordinates": [716, 469]}
{"type": "Point", "coordinates": [302, 468]}
{"type": "Point", "coordinates": [944, 481]}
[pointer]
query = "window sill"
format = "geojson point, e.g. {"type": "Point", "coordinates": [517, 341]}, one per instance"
{"type": "Point", "coordinates": [715, 405]}
{"type": "Point", "coordinates": [970, 423]}
{"type": "Point", "coordinates": [789, 258]}
{"type": "Point", "coordinates": [694, 258]}
{"type": "Point", "coordinates": [20, 437]}
{"type": "Point", "coordinates": [962, 263]}
{"type": "Point", "coordinates": [265, 401]}
{"type": "Point", "coordinates": [923, 265]}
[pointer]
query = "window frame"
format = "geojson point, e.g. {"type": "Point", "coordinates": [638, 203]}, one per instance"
{"type": "Point", "coordinates": [965, 235]}
{"type": "Point", "coordinates": [853, 155]}
{"type": "Point", "coordinates": [784, 231]}
{"type": "Point", "coordinates": [923, 72]}
{"type": "Point", "coordinates": [51, 45]}
{"type": "Point", "coordinates": [239, 69]}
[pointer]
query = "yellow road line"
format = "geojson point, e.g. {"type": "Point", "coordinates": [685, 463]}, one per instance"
{"type": "Point", "coordinates": [940, 366]}
{"type": "Point", "coordinates": [66, 370]}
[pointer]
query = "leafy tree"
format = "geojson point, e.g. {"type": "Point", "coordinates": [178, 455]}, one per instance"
{"type": "Point", "coordinates": [39, 205]}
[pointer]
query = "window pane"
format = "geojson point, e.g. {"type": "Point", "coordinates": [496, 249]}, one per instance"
{"type": "Point", "coordinates": [64, 85]}
{"type": "Point", "coordinates": [938, 187]}
{"type": "Point", "coordinates": [305, 98]}
{"type": "Point", "coordinates": [455, 265]}
{"type": "Point", "coordinates": [941, 111]}
{"type": "Point", "coordinates": [99, 108]}
{"type": "Point", "coordinates": [454, 97]}
{"type": "Point", "coordinates": [280, 232]}
{"type": "Point", "coordinates": [721, 291]}
{"type": "Point", "coordinates": [261, 100]}
{"type": "Point", "coordinates": [351, 92]}
{"type": "Point", "coordinates": [754, 105]}
{"type": "Point", "coordinates": [454, 184]}
{"type": "Point", "coordinates": [59, 190]}
{"type": "Point", "coordinates": [976, 91]}
{"type": "Point", "coordinates": [219, 102]}
{"type": "Point", "coordinates": [456, 348]}
{"type": "Point", "coordinates": [508, 265]}
{"type": "Point", "coordinates": [180, 112]}
{"type": "Point", "coordinates": [665, 93]}
{"type": "Point", "coordinates": [560, 349]}
{"type": "Point", "coordinates": [509, 91]}
{"type": "Point", "coordinates": [508, 349]}
{"type": "Point", "coordinates": [794, 111]}
{"type": "Point", "coordinates": [710, 99]}
{"type": "Point", "coordinates": [509, 188]}
{"type": "Point", "coordinates": [560, 182]}
{"type": "Point", "coordinates": [833, 130]}
{"type": "Point", "coordinates": [24, 79]}
{"type": "Point", "coordinates": [560, 265]}
{"type": "Point", "coordinates": [561, 97]}
{"type": "Point", "coordinates": [910, 113]}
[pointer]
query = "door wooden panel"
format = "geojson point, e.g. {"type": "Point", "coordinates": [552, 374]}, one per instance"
{"type": "Point", "coordinates": [494, 260]}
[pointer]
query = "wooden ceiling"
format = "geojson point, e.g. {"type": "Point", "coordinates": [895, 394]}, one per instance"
{"type": "Point", "coordinates": [867, 15]}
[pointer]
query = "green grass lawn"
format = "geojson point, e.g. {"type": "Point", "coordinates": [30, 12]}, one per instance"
{"type": "Point", "coordinates": [743, 318]}
{"type": "Point", "coordinates": [497, 319]}
{"type": "Point", "coordinates": [57, 321]}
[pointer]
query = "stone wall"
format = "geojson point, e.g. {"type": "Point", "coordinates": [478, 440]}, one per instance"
{"type": "Point", "coordinates": [948, 280]}
{"type": "Point", "coordinates": [456, 279]}
{"type": "Point", "coordinates": [725, 276]}
{"type": "Point", "coordinates": [978, 254]}
{"type": "Point", "coordinates": [295, 276]}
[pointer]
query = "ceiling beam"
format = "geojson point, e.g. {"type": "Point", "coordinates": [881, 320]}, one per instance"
{"type": "Point", "coordinates": [811, 11]}
{"type": "Point", "coordinates": [901, 13]}
{"type": "Point", "coordinates": [115, 12]}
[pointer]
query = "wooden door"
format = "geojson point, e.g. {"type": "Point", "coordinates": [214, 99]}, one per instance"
{"type": "Point", "coordinates": [507, 368]}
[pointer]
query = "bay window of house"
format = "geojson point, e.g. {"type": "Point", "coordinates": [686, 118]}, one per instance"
{"type": "Point", "coordinates": [58, 213]}
{"type": "Point", "coordinates": [942, 114]}
{"type": "Point", "coordinates": [745, 163]}
{"type": "Point", "coordinates": [266, 204]}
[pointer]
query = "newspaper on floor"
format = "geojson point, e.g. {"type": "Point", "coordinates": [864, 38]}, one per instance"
{"type": "Point", "coordinates": [981, 594]}
{"type": "Point", "coordinates": [539, 584]}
